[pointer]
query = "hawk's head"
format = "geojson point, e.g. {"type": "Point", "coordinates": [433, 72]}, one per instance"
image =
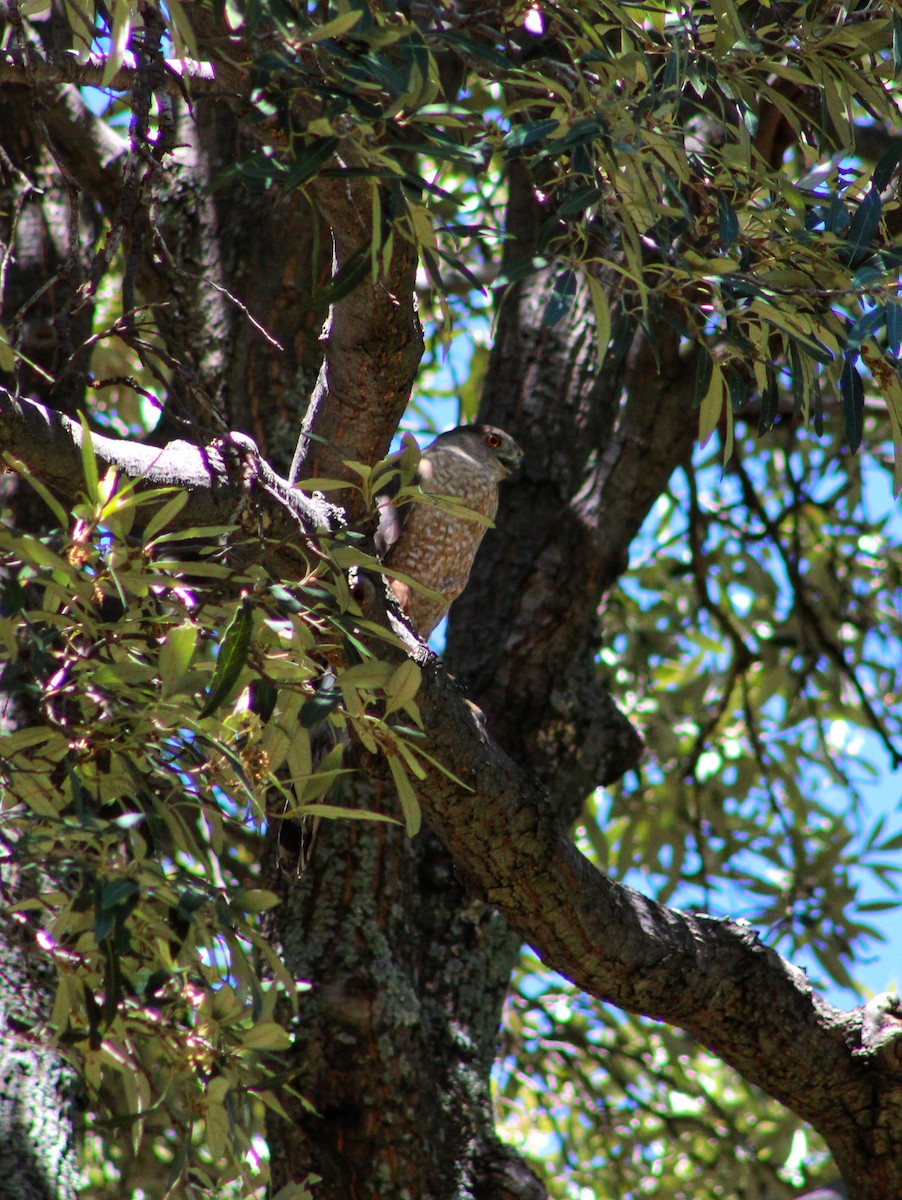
{"type": "Point", "coordinates": [485, 444]}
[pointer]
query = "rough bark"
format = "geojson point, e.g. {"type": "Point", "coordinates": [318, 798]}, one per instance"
{"type": "Point", "coordinates": [37, 1086]}
{"type": "Point", "coordinates": [396, 1039]}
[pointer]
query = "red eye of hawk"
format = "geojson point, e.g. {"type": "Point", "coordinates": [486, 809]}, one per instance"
{"type": "Point", "coordinates": [493, 440]}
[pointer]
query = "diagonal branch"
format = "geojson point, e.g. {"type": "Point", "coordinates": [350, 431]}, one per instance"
{"type": "Point", "coordinates": [712, 977]}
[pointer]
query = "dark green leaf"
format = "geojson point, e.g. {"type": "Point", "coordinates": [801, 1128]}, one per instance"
{"type": "Point", "coordinates": [728, 222]}
{"type": "Point", "coordinates": [818, 409]}
{"type": "Point", "coordinates": [263, 698]}
{"type": "Point", "coordinates": [797, 379]}
{"type": "Point", "coordinates": [579, 201]}
{"type": "Point", "coordinates": [115, 891]}
{"type": "Point", "coordinates": [770, 403]}
{"type": "Point", "coordinates": [526, 135]}
{"type": "Point", "coordinates": [345, 281]}
{"type": "Point", "coordinates": [308, 160]}
{"type": "Point", "coordinates": [894, 327]}
{"type": "Point", "coordinates": [703, 368]}
{"type": "Point", "coordinates": [190, 902]}
{"type": "Point", "coordinates": [481, 51]}
{"type": "Point", "coordinates": [867, 274]}
{"type": "Point", "coordinates": [866, 325]}
{"type": "Point", "coordinates": [836, 218]}
{"type": "Point", "coordinates": [852, 392]}
{"type": "Point", "coordinates": [232, 657]}
{"type": "Point", "coordinates": [112, 984]}
{"type": "Point", "coordinates": [814, 349]}
{"type": "Point", "coordinates": [319, 706]}
{"type": "Point", "coordinates": [561, 300]}
{"type": "Point", "coordinates": [580, 134]}
{"type": "Point", "coordinates": [864, 224]}
{"type": "Point", "coordinates": [94, 1014]}
{"type": "Point", "coordinates": [671, 80]}
{"type": "Point", "coordinates": [461, 267]}
{"type": "Point", "coordinates": [886, 166]}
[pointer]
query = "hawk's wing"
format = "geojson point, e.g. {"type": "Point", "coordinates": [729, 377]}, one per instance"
{"type": "Point", "coordinates": [391, 520]}
{"type": "Point", "coordinates": [393, 517]}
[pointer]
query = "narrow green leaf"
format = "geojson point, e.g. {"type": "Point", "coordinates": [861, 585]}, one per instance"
{"type": "Point", "coordinates": [728, 222]}
{"type": "Point", "coordinates": [413, 817]}
{"type": "Point", "coordinates": [63, 518]}
{"type": "Point", "coordinates": [232, 656]}
{"type": "Point", "coordinates": [894, 327]}
{"type": "Point", "coordinates": [403, 686]}
{"type": "Point", "coordinates": [711, 406]}
{"type": "Point", "coordinates": [865, 326]}
{"type": "Point", "coordinates": [561, 300]}
{"type": "Point", "coordinates": [704, 366]}
{"type": "Point", "coordinates": [770, 403]}
{"type": "Point", "coordinates": [347, 278]}
{"type": "Point", "coordinates": [893, 396]}
{"type": "Point", "coordinates": [309, 159]}
{"type": "Point", "coordinates": [852, 392]}
{"type": "Point", "coordinates": [579, 200]}
{"type": "Point", "coordinates": [527, 134]}
{"type": "Point", "coordinates": [602, 310]}
{"type": "Point", "coordinates": [886, 166]}
{"type": "Point", "coordinates": [7, 354]}
{"type": "Point", "coordinates": [164, 516]}
{"type": "Point", "coordinates": [864, 224]}
{"type": "Point", "coordinates": [728, 436]}
{"type": "Point", "coordinates": [334, 28]}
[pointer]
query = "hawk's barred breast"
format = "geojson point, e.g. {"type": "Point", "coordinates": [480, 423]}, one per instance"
{"type": "Point", "coordinates": [437, 547]}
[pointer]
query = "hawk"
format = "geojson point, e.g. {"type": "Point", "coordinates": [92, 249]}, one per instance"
{"type": "Point", "coordinates": [435, 542]}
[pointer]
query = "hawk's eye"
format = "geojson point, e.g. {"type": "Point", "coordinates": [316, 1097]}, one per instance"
{"type": "Point", "coordinates": [493, 440]}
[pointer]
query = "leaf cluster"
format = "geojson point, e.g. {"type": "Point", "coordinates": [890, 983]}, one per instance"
{"type": "Point", "coordinates": [755, 645]}
{"type": "Point", "coordinates": [168, 702]}
{"type": "Point", "coordinates": [606, 1104]}
{"type": "Point", "coordinates": [701, 158]}
{"type": "Point", "coordinates": [757, 649]}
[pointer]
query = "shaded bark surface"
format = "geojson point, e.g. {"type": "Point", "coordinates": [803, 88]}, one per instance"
{"type": "Point", "coordinates": [37, 216]}
{"type": "Point", "coordinates": [37, 1088]}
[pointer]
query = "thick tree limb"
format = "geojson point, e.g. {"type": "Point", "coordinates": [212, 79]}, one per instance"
{"type": "Point", "coordinates": [87, 147]}
{"type": "Point", "coordinates": [712, 977]}
{"type": "Point", "coordinates": [372, 344]}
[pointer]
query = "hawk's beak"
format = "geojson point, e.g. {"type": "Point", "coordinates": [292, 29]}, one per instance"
{"type": "Point", "coordinates": [511, 462]}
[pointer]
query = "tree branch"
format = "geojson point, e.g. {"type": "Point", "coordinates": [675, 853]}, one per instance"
{"type": "Point", "coordinates": [66, 69]}
{"type": "Point", "coordinates": [229, 483]}
{"type": "Point", "coordinates": [712, 977]}
{"type": "Point", "coordinates": [373, 342]}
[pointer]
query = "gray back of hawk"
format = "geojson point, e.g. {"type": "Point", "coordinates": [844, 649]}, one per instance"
{"type": "Point", "coordinates": [436, 545]}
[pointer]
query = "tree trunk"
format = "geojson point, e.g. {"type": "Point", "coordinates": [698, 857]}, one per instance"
{"type": "Point", "coordinates": [37, 1086]}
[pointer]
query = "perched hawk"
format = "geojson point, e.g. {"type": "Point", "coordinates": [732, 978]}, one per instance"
{"type": "Point", "coordinates": [436, 543]}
